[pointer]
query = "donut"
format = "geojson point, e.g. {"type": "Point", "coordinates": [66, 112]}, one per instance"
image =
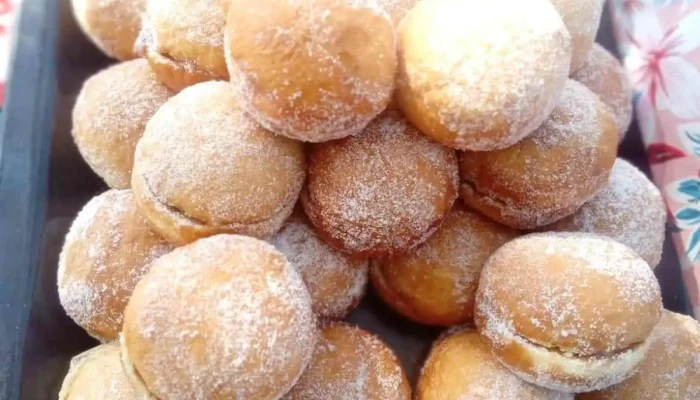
{"type": "Point", "coordinates": [629, 209]}
{"type": "Point", "coordinates": [226, 317]}
{"type": "Point", "coordinates": [435, 283]}
{"type": "Point", "coordinates": [551, 173]}
{"type": "Point", "coordinates": [351, 363]}
{"type": "Point", "coordinates": [183, 41]}
{"type": "Point", "coordinates": [571, 312]}
{"type": "Point", "coordinates": [336, 281]}
{"type": "Point", "coordinates": [460, 366]}
{"type": "Point", "coordinates": [582, 19]}
{"type": "Point", "coordinates": [383, 191]}
{"type": "Point", "coordinates": [107, 250]}
{"type": "Point", "coordinates": [397, 9]}
{"type": "Point", "coordinates": [110, 115]}
{"type": "Point", "coordinates": [603, 74]}
{"type": "Point", "coordinates": [203, 167]}
{"type": "Point", "coordinates": [481, 75]}
{"type": "Point", "coordinates": [98, 374]}
{"type": "Point", "coordinates": [112, 25]}
{"type": "Point", "coordinates": [671, 369]}
{"type": "Point", "coordinates": [334, 64]}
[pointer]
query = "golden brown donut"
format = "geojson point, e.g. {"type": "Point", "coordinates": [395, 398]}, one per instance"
{"type": "Point", "coordinates": [112, 25]}
{"type": "Point", "coordinates": [336, 281]}
{"type": "Point", "coordinates": [671, 369]}
{"type": "Point", "coordinates": [582, 19]}
{"type": "Point", "coordinates": [203, 167]}
{"type": "Point", "coordinates": [629, 209]}
{"type": "Point", "coordinates": [97, 374]}
{"type": "Point", "coordinates": [435, 283]}
{"type": "Point", "coordinates": [224, 318]}
{"type": "Point", "coordinates": [312, 70]}
{"type": "Point", "coordinates": [383, 191]}
{"type": "Point", "coordinates": [351, 363]}
{"type": "Point", "coordinates": [605, 76]}
{"type": "Point", "coordinates": [551, 173]}
{"type": "Point", "coordinates": [460, 366]}
{"type": "Point", "coordinates": [109, 247]}
{"type": "Point", "coordinates": [110, 115]}
{"type": "Point", "coordinates": [183, 41]}
{"type": "Point", "coordinates": [397, 9]}
{"type": "Point", "coordinates": [571, 312]}
{"type": "Point", "coordinates": [481, 75]}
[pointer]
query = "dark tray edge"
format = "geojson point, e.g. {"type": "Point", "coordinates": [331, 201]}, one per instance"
{"type": "Point", "coordinates": [25, 141]}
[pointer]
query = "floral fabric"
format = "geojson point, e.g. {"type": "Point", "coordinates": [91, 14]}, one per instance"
{"type": "Point", "coordinates": [659, 41]}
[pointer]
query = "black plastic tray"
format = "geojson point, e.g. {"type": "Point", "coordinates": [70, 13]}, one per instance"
{"type": "Point", "coordinates": [44, 183]}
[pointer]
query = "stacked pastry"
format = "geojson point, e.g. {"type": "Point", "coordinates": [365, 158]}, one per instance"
{"type": "Point", "coordinates": [459, 154]}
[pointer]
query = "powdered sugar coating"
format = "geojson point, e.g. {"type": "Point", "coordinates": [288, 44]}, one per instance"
{"type": "Point", "coordinates": [312, 70]}
{"type": "Point", "coordinates": [397, 9]}
{"type": "Point", "coordinates": [383, 191]}
{"type": "Point", "coordinates": [98, 374]}
{"type": "Point", "coordinates": [110, 115]}
{"type": "Point", "coordinates": [603, 74]}
{"type": "Point", "coordinates": [225, 317]}
{"type": "Point", "coordinates": [107, 250]}
{"type": "Point", "coordinates": [582, 19]}
{"type": "Point", "coordinates": [460, 366]}
{"type": "Point", "coordinates": [481, 75]}
{"type": "Point", "coordinates": [202, 156]}
{"type": "Point", "coordinates": [671, 369]}
{"type": "Point", "coordinates": [336, 282]}
{"type": "Point", "coordinates": [579, 298]}
{"type": "Point", "coordinates": [551, 173]}
{"type": "Point", "coordinates": [629, 209]}
{"type": "Point", "coordinates": [112, 25]}
{"type": "Point", "coordinates": [350, 363]}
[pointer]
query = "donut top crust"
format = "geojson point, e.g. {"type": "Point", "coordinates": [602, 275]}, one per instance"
{"type": "Point", "coordinates": [112, 25]}
{"type": "Point", "coordinates": [603, 74]}
{"type": "Point", "coordinates": [575, 293]}
{"type": "Point", "coordinates": [224, 317]}
{"type": "Point", "coordinates": [483, 74]}
{"type": "Point", "coordinates": [107, 250]}
{"type": "Point", "coordinates": [110, 116]}
{"type": "Point", "coordinates": [460, 366]}
{"type": "Point", "coordinates": [189, 32]}
{"type": "Point", "coordinates": [313, 70]}
{"type": "Point", "coordinates": [335, 280]}
{"type": "Point", "coordinates": [351, 363]}
{"type": "Point", "coordinates": [563, 163]}
{"type": "Point", "coordinates": [204, 157]}
{"type": "Point", "coordinates": [629, 209]}
{"type": "Point", "coordinates": [383, 190]}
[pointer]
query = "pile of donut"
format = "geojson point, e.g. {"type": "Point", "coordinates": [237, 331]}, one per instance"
{"type": "Point", "coordinates": [268, 158]}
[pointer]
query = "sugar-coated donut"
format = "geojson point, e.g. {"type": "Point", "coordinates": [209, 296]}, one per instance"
{"type": "Point", "coordinates": [435, 283]}
{"type": "Point", "coordinates": [351, 363]}
{"type": "Point", "coordinates": [313, 70]}
{"type": "Point", "coordinates": [203, 167]}
{"type": "Point", "coordinates": [226, 317]}
{"type": "Point", "coordinates": [397, 9]}
{"type": "Point", "coordinates": [605, 76]}
{"type": "Point", "coordinates": [110, 115]}
{"type": "Point", "coordinates": [629, 209]}
{"type": "Point", "coordinates": [671, 369]}
{"type": "Point", "coordinates": [582, 19]}
{"type": "Point", "coordinates": [383, 191]}
{"type": "Point", "coordinates": [551, 173]}
{"type": "Point", "coordinates": [460, 366]}
{"type": "Point", "coordinates": [97, 374]}
{"type": "Point", "coordinates": [109, 247]}
{"type": "Point", "coordinates": [112, 25]}
{"type": "Point", "coordinates": [481, 75]}
{"type": "Point", "coordinates": [571, 312]}
{"type": "Point", "coordinates": [336, 281]}
{"type": "Point", "coordinates": [183, 41]}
